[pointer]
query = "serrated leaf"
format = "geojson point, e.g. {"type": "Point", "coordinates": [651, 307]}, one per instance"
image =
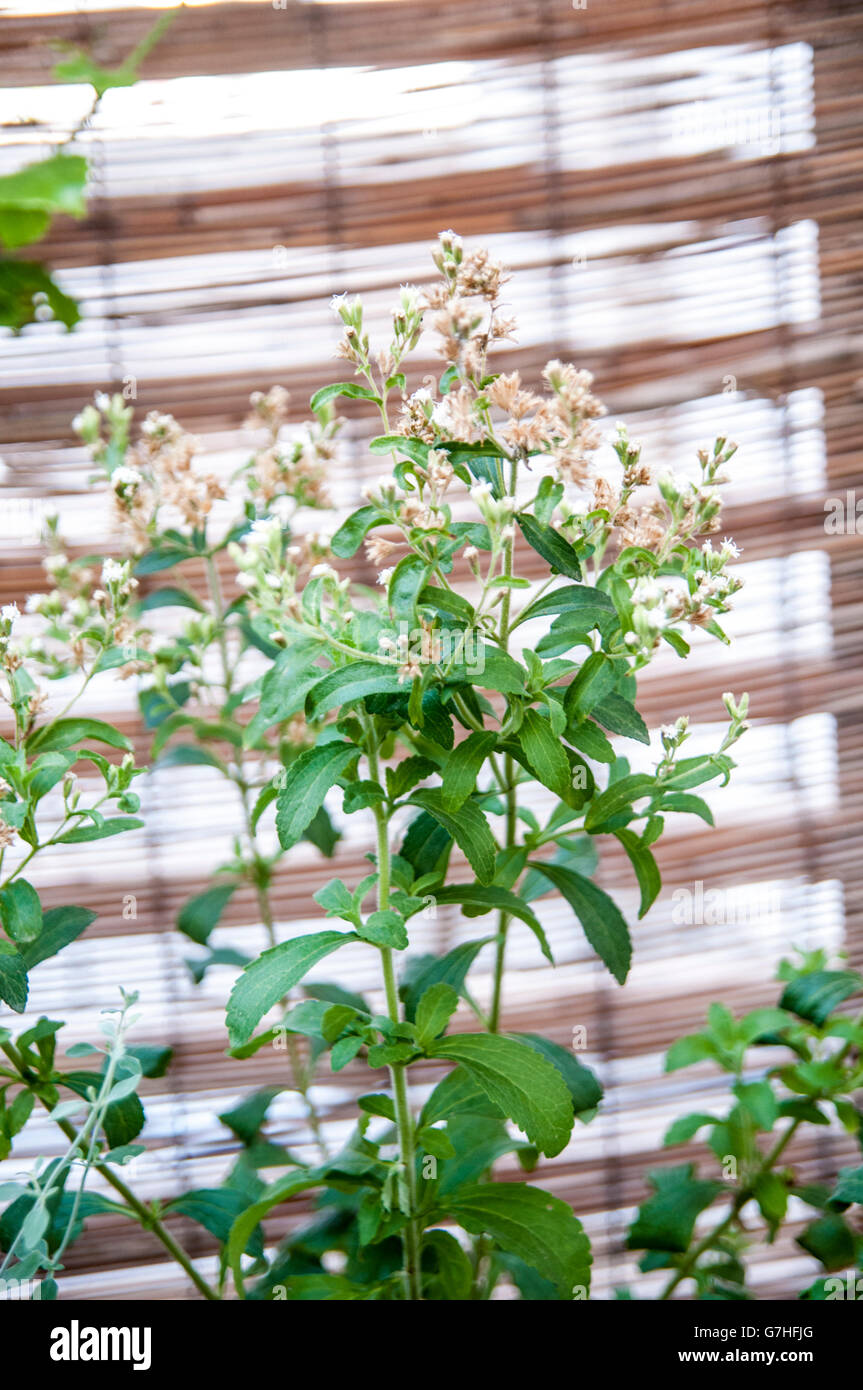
{"type": "Point", "coordinates": [60, 926]}
{"type": "Point", "coordinates": [462, 768]}
{"type": "Point", "coordinates": [269, 978]}
{"type": "Point", "coordinates": [491, 896]}
{"type": "Point", "coordinates": [385, 928]}
{"type": "Point", "coordinates": [550, 544]}
{"type": "Point", "coordinates": [545, 754]}
{"type": "Point", "coordinates": [468, 828]}
{"type": "Point", "coordinates": [528, 1089]}
{"type": "Point", "coordinates": [21, 911]}
{"type": "Point", "coordinates": [618, 797]}
{"type": "Point", "coordinates": [540, 1229]}
{"type": "Point", "coordinates": [349, 684]}
{"type": "Point", "coordinates": [603, 923]}
{"type": "Point", "coordinates": [434, 1010]}
{"type": "Point", "coordinates": [353, 531]}
{"type": "Point", "coordinates": [306, 783]}
{"type": "Point", "coordinates": [645, 866]}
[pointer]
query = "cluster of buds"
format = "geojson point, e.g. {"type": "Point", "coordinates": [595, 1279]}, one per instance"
{"type": "Point", "coordinates": [10, 657]}
{"type": "Point", "coordinates": [288, 469]}
{"type": "Point", "coordinates": [354, 345]}
{"type": "Point", "coordinates": [85, 613]}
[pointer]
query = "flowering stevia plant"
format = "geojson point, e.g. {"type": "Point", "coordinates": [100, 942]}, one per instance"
{"type": "Point", "coordinates": [206, 691]}
{"type": "Point", "coordinates": [443, 706]}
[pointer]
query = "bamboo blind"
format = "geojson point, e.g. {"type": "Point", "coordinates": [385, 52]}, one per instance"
{"type": "Point", "coordinates": [677, 187]}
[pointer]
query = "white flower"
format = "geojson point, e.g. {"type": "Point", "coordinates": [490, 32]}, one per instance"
{"type": "Point", "coordinates": [421, 395]}
{"type": "Point", "coordinates": [385, 576]}
{"type": "Point", "coordinates": [451, 240]}
{"type": "Point", "coordinates": [34, 603]}
{"type": "Point", "coordinates": [480, 492]}
{"type": "Point", "coordinates": [54, 562]}
{"type": "Point", "coordinates": [103, 400]}
{"type": "Point", "coordinates": [272, 581]}
{"type": "Point", "coordinates": [9, 612]}
{"type": "Point", "coordinates": [78, 423]}
{"type": "Point", "coordinates": [337, 301]}
{"type": "Point", "coordinates": [323, 572]}
{"type": "Point", "coordinates": [113, 572]}
{"type": "Point", "coordinates": [729, 549]}
{"type": "Point", "coordinates": [125, 477]}
{"type": "Point", "coordinates": [442, 414]}
{"type": "Point", "coordinates": [245, 580]}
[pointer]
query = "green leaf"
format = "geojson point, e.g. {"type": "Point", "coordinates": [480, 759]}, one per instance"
{"type": "Point", "coordinates": [435, 1008]}
{"type": "Point", "coordinates": [581, 1083]}
{"type": "Point", "coordinates": [60, 926]}
{"type": "Point", "coordinates": [685, 1052]}
{"type": "Point", "coordinates": [645, 866]}
{"type": "Point", "coordinates": [620, 716]}
{"type": "Point", "coordinates": [170, 598]}
{"type": "Point", "coordinates": [814, 996]}
{"type": "Point", "coordinates": [540, 1229]}
{"type": "Point", "coordinates": [64, 733]}
{"type": "Point", "coordinates": [269, 978]}
{"type": "Point", "coordinates": [462, 768]}
{"type": "Point", "coordinates": [27, 291]}
{"type": "Point", "coordinates": [352, 389]}
{"type": "Point", "coordinates": [245, 1119]}
{"type": "Point", "coordinates": [349, 684]}
{"type": "Point", "coordinates": [54, 185]}
{"type": "Point", "coordinates": [21, 911]}
{"type": "Point", "coordinates": [688, 804]}
{"type": "Point", "coordinates": [217, 1209]}
{"type": "Point", "coordinates": [307, 781]}
{"type": "Point", "coordinates": [200, 914]}
{"type": "Point", "coordinates": [830, 1240]}
{"type": "Point", "coordinates": [468, 828]}
{"type": "Point", "coordinates": [83, 834]}
{"type": "Point", "coordinates": [590, 741]}
{"type": "Point", "coordinates": [849, 1187]}
{"type": "Point", "coordinates": [13, 978]}
{"type": "Point", "coordinates": [453, 1271]}
{"type": "Point", "coordinates": [422, 972]}
{"type": "Point", "coordinates": [488, 897]}
{"type": "Point", "coordinates": [595, 679]}
{"type": "Point", "coordinates": [527, 1088]}
{"type": "Point", "coordinates": [545, 753]}
{"type": "Point", "coordinates": [407, 773]}
{"type": "Point", "coordinates": [601, 918]}
{"type": "Point", "coordinates": [352, 532]}
{"type": "Point", "coordinates": [667, 1219]}
{"type": "Point", "coordinates": [686, 1128]}
{"type": "Point", "coordinates": [386, 928]}
{"type": "Point", "coordinates": [492, 669]}
{"type": "Point", "coordinates": [619, 796]}
{"type": "Point", "coordinates": [550, 544]}
{"type": "Point", "coordinates": [582, 598]}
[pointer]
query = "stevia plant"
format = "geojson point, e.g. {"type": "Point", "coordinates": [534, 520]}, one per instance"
{"type": "Point", "coordinates": [789, 1067]}
{"type": "Point", "coordinates": [207, 692]}
{"type": "Point", "coordinates": [86, 628]}
{"type": "Point", "coordinates": [466, 707]}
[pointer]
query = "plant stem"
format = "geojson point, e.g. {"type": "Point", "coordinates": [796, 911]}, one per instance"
{"type": "Point", "coordinates": [398, 1077]}
{"type": "Point", "coordinates": [509, 779]}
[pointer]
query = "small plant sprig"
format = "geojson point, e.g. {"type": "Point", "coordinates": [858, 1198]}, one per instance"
{"type": "Point", "coordinates": [85, 629]}
{"type": "Point", "coordinates": [813, 1082]}
{"type": "Point", "coordinates": [433, 712]}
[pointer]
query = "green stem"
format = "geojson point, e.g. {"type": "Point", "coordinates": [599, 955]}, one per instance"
{"type": "Point", "coordinates": [509, 778]}
{"type": "Point", "coordinates": [398, 1077]}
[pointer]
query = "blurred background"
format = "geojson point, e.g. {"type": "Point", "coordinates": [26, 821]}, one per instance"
{"type": "Point", "coordinates": [676, 185]}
